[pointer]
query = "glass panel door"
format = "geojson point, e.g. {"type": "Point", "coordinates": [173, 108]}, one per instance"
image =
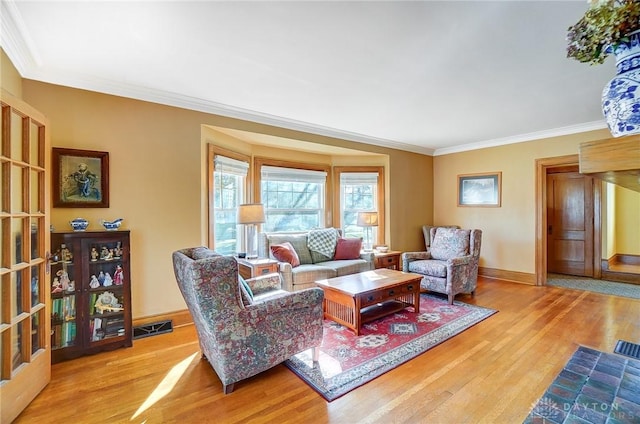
{"type": "Point", "coordinates": [24, 319]}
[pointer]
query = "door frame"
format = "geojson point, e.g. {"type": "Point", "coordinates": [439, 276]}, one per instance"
{"type": "Point", "coordinates": [542, 168]}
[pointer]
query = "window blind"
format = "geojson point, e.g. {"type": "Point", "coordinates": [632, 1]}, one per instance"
{"type": "Point", "coordinates": [230, 166]}
{"type": "Point", "coordinates": [359, 178]}
{"type": "Point", "coordinates": [276, 173]}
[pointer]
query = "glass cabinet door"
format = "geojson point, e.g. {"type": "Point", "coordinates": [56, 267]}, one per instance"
{"type": "Point", "coordinates": [63, 296]}
{"type": "Point", "coordinates": [107, 303]}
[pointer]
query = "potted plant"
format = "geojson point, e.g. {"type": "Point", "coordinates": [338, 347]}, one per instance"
{"type": "Point", "coordinates": [613, 27]}
{"type": "Point", "coordinates": [604, 26]}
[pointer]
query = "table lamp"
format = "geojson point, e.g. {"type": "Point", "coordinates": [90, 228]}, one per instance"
{"type": "Point", "coordinates": [250, 214]}
{"type": "Point", "coordinates": [367, 220]}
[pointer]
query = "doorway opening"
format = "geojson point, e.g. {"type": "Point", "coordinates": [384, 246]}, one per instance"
{"type": "Point", "coordinates": [544, 201]}
{"type": "Point", "coordinates": [601, 269]}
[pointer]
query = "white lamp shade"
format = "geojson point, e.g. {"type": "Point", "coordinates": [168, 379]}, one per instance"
{"type": "Point", "coordinates": [251, 213]}
{"type": "Point", "coordinates": [367, 219]}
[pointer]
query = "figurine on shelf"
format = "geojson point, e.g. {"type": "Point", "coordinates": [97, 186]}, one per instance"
{"type": "Point", "coordinates": [118, 276]}
{"type": "Point", "coordinates": [104, 252]}
{"type": "Point", "coordinates": [94, 283]}
{"type": "Point", "coordinates": [64, 279]}
{"type": "Point", "coordinates": [108, 281]}
{"type": "Point", "coordinates": [117, 252]}
{"type": "Point", "coordinates": [65, 253]}
{"type": "Point", "coordinates": [107, 301]}
{"type": "Point", "coordinates": [56, 287]}
{"type": "Point", "coordinates": [72, 286]}
{"type": "Point", "coordinates": [101, 278]}
{"type": "Point", "coordinates": [109, 255]}
{"type": "Point", "coordinates": [94, 254]}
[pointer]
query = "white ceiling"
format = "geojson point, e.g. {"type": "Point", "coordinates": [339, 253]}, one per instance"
{"type": "Point", "coordinates": [432, 77]}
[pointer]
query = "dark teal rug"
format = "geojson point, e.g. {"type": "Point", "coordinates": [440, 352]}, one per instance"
{"type": "Point", "coordinates": [593, 387]}
{"type": "Point", "coordinates": [591, 284]}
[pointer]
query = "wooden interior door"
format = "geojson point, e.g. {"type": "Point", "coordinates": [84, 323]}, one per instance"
{"type": "Point", "coordinates": [570, 224]}
{"type": "Point", "coordinates": [25, 352]}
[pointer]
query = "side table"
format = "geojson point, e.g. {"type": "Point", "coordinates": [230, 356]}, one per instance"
{"type": "Point", "coordinates": [250, 268]}
{"type": "Point", "coordinates": [390, 259]}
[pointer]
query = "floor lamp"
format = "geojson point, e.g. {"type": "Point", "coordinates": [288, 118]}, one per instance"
{"type": "Point", "coordinates": [249, 215]}
{"type": "Point", "coordinates": [367, 220]}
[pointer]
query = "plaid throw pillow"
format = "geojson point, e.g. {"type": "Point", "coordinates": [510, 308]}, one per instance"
{"type": "Point", "coordinates": [323, 241]}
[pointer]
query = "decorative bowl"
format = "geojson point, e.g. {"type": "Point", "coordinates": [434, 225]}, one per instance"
{"type": "Point", "coordinates": [111, 225]}
{"type": "Point", "coordinates": [79, 224]}
{"type": "Point", "coordinates": [382, 249]}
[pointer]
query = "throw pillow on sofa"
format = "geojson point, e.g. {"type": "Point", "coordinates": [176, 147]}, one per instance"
{"type": "Point", "coordinates": [348, 248]}
{"type": "Point", "coordinates": [285, 253]}
{"type": "Point", "coordinates": [298, 241]}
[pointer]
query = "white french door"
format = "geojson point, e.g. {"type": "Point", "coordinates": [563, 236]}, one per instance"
{"type": "Point", "coordinates": [25, 351]}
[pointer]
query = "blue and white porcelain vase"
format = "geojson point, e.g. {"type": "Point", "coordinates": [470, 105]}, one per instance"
{"type": "Point", "coordinates": [621, 96]}
{"type": "Point", "coordinates": [79, 224]}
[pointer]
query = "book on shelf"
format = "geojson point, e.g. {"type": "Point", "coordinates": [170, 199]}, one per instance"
{"type": "Point", "coordinates": [97, 332]}
{"type": "Point", "coordinates": [114, 326]}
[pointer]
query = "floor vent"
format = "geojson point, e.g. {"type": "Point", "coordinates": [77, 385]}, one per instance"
{"type": "Point", "coordinates": [628, 349]}
{"type": "Point", "coordinates": [152, 329]}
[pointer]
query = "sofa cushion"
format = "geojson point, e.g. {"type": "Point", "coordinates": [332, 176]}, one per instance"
{"type": "Point", "coordinates": [299, 243]}
{"type": "Point", "coordinates": [309, 273]}
{"type": "Point", "coordinates": [450, 243]}
{"type": "Point", "coordinates": [348, 248]}
{"type": "Point", "coordinates": [285, 253]}
{"type": "Point", "coordinates": [347, 266]}
{"type": "Point", "coordinates": [429, 267]}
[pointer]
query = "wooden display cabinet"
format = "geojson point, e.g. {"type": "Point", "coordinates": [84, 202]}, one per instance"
{"type": "Point", "coordinates": [90, 293]}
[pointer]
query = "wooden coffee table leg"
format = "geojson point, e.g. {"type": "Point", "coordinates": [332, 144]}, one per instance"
{"type": "Point", "coordinates": [342, 309]}
{"type": "Point", "coordinates": [358, 315]}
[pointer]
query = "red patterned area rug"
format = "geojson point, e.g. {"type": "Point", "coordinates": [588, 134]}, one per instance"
{"type": "Point", "coordinates": [348, 361]}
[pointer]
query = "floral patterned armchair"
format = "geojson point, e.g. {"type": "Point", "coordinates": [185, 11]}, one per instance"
{"type": "Point", "coordinates": [245, 328]}
{"type": "Point", "coordinates": [450, 264]}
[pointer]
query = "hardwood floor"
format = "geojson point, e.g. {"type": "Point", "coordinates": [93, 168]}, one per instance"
{"type": "Point", "coordinates": [491, 373]}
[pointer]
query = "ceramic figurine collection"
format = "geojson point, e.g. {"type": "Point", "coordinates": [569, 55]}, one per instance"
{"type": "Point", "coordinates": [62, 283]}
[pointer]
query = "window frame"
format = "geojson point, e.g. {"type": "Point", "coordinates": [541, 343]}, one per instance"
{"type": "Point", "coordinates": [259, 162]}
{"type": "Point", "coordinates": [381, 200]}
{"type": "Point", "coordinates": [212, 151]}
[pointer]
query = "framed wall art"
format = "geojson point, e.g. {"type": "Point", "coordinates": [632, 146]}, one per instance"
{"type": "Point", "coordinates": [80, 178]}
{"type": "Point", "coordinates": [480, 189]}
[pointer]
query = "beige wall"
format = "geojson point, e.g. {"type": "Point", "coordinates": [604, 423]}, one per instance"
{"type": "Point", "coordinates": [158, 185]}
{"type": "Point", "coordinates": [10, 80]}
{"type": "Point", "coordinates": [508, 240]}
{"type": "Point", "coordinates": [627, 230]}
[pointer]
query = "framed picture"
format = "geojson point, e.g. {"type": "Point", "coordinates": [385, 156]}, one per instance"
{"type": "Point", "coordinates": [80, 178]}
{"type": "Point", "coordinates": [480, 189]}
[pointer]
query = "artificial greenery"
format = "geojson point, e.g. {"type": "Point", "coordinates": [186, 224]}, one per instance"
{"type": "Point", "coordinates": [604, 26]}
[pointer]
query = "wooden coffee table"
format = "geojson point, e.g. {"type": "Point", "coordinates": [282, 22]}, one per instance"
{"type": "Point", "coordinates": [355, 299]}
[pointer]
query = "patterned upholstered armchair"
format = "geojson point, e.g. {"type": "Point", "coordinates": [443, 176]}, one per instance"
{"type": "Point", "coordinates": [245, 329]}
{"type": "Point", "coordinates": [450, 264]}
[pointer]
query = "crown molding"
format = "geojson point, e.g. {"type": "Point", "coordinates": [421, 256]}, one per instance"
{"type": "Point", "coordinates": [538, 135]}
{"type": "Point", "coordinates": [15, 39]}
{"type": "Point", "coordinates": [201, 105]}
